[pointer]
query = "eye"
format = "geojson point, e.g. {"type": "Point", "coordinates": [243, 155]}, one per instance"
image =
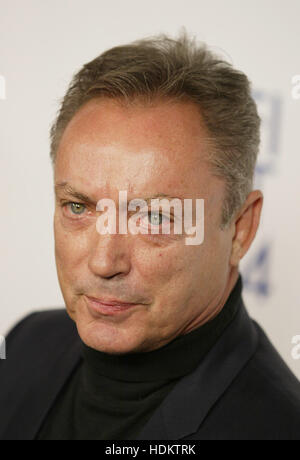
{"type": "Point", "coordinates": [155, 218]}
{"type": "Point", "coordinates": [76, 208]}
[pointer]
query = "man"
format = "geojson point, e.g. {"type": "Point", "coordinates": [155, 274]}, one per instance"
{"type": "Point", "coordinates": [157, 343]}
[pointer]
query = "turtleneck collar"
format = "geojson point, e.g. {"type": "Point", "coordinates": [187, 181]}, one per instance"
{"type": "Point", "coordinates": [175, 359]}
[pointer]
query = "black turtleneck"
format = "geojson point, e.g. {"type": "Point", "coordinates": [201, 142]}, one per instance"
{"type": "Point", "coordinates": [113, 396]}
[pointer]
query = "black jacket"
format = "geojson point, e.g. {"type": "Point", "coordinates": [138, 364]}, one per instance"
{"type": "Point", "coordinates": [241, 390]}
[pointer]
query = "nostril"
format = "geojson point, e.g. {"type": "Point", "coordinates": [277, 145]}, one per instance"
{"type": "Point", "coordinates": [120, 274]}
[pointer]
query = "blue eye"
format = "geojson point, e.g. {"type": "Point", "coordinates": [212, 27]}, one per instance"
{"type": "Point", "coordinates": [157, 218]}
{"type": "Point", "coordinates": [77, 208]}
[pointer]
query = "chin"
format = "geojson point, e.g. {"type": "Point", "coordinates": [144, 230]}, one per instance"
{"type": "Point", "coordinates": [107, 338]}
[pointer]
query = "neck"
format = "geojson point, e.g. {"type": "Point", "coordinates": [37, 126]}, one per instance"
{"type": "Point", "coordinates": [209, 313]}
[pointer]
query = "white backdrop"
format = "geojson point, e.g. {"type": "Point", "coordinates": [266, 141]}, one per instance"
{"type": "Point", "coordinates": [42, 43]}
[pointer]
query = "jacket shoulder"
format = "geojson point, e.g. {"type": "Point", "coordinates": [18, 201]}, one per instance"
{"type": "Point", "coordinates": [39, 330]}
{"type": "Point", "coordinates": [262, 403]}
{"type": "Point", "coordinates": [268, 368]}
{"type": "Point", "coordinates": [41, 352]}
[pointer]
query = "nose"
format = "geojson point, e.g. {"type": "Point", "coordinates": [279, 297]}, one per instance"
{"type": "Point", "coordinates": [109, 255]}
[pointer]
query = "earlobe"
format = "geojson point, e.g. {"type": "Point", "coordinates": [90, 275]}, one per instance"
{"type": "Point", "coordinates": [235, 253]}
{"type": "Point", "coordinates": [246, 226]}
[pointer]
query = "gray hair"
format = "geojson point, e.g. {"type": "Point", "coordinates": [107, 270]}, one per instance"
{"type": "Point", "coordinates": [160, 67]}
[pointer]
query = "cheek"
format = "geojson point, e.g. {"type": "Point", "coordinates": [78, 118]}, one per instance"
{"type": "Point", "coordinates": [70, 248]}
{"type": "Point", "coordinates": [212, 263]}
{"type": "Point", "coordinates": [162, 267]}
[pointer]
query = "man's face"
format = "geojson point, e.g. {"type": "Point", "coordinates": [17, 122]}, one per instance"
{"type": "Point", "coordinates": [147, 151]}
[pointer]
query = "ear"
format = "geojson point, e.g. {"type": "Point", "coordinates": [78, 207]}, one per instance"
{"type": "Point", "coordinates": [246, 225]}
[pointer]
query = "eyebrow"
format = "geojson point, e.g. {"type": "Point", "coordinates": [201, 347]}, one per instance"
{"type": "Point", "coordinates": [67, 188]}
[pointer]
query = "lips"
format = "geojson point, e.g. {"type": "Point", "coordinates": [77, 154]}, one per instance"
{"type": "Point", "coordinates": [114, 302]}
{"type": "Point", "coordinates": [107, 307]}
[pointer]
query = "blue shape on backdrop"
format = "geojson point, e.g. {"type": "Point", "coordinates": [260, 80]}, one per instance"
{"type": "Point", "coordinates": [256, 273]}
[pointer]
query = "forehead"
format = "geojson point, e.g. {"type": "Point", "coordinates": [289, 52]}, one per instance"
{"type": "Point", "coordinates": [160, 148]}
